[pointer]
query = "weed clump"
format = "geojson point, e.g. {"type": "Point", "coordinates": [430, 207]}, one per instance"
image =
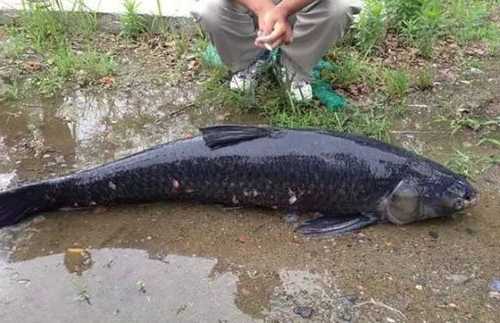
{"type": "Point", "coordinates": [370, 29]}
{"type": "Point", "coordinates": [424, 79]}
{"type": "Point", "coordinates": [132, 24]}
{"type": "Point", "coordinates": [51, 30]}
{"type": "Point", "coordinates": [469, 164]}
{"type": "Point", "coordinates": [397, 83]}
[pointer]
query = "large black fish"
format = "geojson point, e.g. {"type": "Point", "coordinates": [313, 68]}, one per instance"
{"type": "Point", "coordinates": [353, 181]}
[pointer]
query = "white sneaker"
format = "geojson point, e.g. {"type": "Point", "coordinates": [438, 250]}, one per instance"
{"type": "Point", "coordinates": [300, 90]}
{"type": "Point", "coordinates": [245, 80]}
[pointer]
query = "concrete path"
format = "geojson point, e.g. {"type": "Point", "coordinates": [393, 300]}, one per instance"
{"type": "Point", "coordinates": [168, 8]}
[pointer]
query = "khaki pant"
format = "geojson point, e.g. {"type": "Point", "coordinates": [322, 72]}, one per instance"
{"type": "Point", "coordinates": [233, 29]}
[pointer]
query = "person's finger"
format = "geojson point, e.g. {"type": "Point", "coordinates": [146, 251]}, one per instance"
{"type": "Point", "coordinates": [277, 43]}
{"type": "Point", "coordinates": [263, 45]}
{"type": "Point", "coordinates": [289, 36]}
{"type": "Point", "coordinates": [270, 46]}
{"type": "Point", "coordinates": [278, 33]}
{"type": "Point", "coordinates": [266, 25]}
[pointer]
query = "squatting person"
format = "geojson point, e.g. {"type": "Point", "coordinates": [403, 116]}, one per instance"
{"type": "Point", "coordinates": [242, 30]}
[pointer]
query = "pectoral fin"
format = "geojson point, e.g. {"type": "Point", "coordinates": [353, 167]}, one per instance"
{"type": "Point", "coordinates": [335, 225]}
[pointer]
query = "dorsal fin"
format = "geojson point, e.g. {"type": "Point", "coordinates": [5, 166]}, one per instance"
{"type": "Point", "coordinates": [227, 135]}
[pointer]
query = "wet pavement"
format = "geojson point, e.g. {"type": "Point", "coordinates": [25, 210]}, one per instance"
{"type": "Point", "coordinates": [180, 262]}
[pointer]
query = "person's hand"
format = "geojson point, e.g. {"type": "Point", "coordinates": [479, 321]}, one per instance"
{"type": "Point", "coordinates": [274, 28]}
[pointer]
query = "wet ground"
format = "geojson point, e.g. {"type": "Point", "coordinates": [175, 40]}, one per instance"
{"type": "Point", "coordinates": [172, 262]}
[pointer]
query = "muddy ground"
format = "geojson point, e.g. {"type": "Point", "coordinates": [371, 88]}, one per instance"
{"type": "Point", "coordinates": [172, 262]}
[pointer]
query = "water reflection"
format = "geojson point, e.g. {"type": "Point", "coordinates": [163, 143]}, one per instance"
{"type": "Point", "coordinates": [129, 285]}
{"type": "Point", "coordinates": [110, 125]}
{"type": "Point", "coordinates": [122, 285]}
{"type": "Point", "coordinates": [88, 127]}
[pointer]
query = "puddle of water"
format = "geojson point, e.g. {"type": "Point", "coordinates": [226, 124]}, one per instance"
{"type": "Point", "coordinates": [122, 285]}
{"type": "Point", "coordinates": [129, 285]}
{"type": "Point", "coordinates": [110, 125]}
{"type": "Point", "coordinates": [89, 127]}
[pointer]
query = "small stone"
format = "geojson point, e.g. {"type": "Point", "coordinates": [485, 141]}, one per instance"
{"type": "Point", "coordinates": [470, 231]}
{"type": "Point", "coordinates": [434, 235]}
{"type": "Point", "coordinates": [476, 71]}
{"type": "Point", "coordinates": [243, 238]}
{"type": "Point", "coordinates": [419, 287]}
{"type": "Point", "coordinates": [494, 295]}
{"type": "Point", "coordinates": [390, 320]}
{"type": "Point", "coordinates": [141, 287]}
{"type": "Point", "coordinates": [467, 144]}
{"type": "Point", "coordinates": [458, 279]}
{"type": "Point", "coordinates": [495, 285]}
{"type": "Point", "coordinates": [305, 312]}
{"type": "Point", "coordinates": [220, 117]}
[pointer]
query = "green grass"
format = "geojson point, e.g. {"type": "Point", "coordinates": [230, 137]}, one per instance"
{"type": "Point", "coordinates": [463, 163]}
{"type": "Point", "coordinates": [13, 92]}
{"type": "Point", "coordinates": [158, 23]}
{"type": "Point", "coordinates": [424, 79]}
{"type": "Point", "coordinates": [132, 24]}
{"type": "Point", "coordinates": [271, 101]}
{"type": "Point", "coordinates": [396, 84]}
{"type": "Point", "coordinates": [473, 123]}
{"type": "Point", "coordinates": [490, 141]}
{"type": "Point", "coordinates": [43, 25]}
{"type": "Point", "coordinates": [65, 65]}
{"type": "Point", "coordinates": [47, 26]}
{"type": "Point", "coordinates": [15, 46]}
{"type": "Point", "coordinates": [51, 32]}
{"type": "Point", "coordinates": [471, 164]}
{"type": "Point", "coordinates": [421, 23]}
{"type": "Point", "coordinates": [370, 30]}
{"type": "Point", "coordinates": [468, 20]}
{"type": "Point", "coordinates": [351, 69]}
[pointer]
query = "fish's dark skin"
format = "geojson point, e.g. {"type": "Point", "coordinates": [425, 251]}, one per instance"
{"type": "Point", "coordinates": [293, 170]}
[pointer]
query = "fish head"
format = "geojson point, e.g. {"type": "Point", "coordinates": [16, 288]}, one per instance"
{"type": "Point", "coordinates": [420, 198]}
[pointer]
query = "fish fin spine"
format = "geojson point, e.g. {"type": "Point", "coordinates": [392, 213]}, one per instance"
{"type": "Point", "coordinates": [227, 135]}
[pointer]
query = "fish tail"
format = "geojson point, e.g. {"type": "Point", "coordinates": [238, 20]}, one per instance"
{"type": "Point", "coordinates": [20, 203]}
